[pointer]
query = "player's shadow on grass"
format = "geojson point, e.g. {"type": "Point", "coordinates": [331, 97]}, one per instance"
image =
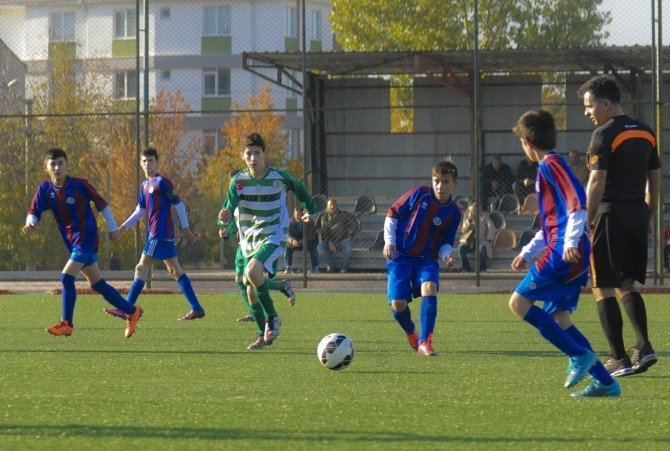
{"type": "Point", "coordinates": [279, 436]}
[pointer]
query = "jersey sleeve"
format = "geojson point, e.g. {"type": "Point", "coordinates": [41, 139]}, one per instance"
{"type": "Point", "coordinates": [39, 202]}
{"type": "Point", "coordinates": [92, 195]}
{"type": "Point", "coordinates": [403, 205]}
{"type": "Point", "coordinates": [599, 152]}
{"type": "Point", "coordinates": [167, 188]}
{"type": "Point", "coordinates": [300, 191]}
{"type": "Point", "coordinates": [654, 160]}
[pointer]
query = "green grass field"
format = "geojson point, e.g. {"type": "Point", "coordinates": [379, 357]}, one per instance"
{"type": "Point", "coordinates": [494, 384]}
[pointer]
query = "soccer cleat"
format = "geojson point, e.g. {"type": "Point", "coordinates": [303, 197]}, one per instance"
{"type": "Point", "coordinates": [272, 326]}
{"type": "Point", "coordinates": [314, 270]}
{"type": "Point", "coordinates": [619, 367]}
{"type": "Point", "coordinates": [598, 389]}
{"type": "Point", "coordinates": [426, 347]}
{"type": "Point", "coordinates": [260, 343]}
{"type": "Point", "coordinates": [643, 358]}
{"type": "Point", "coordinates": [579, 366]}
{"type": "Point", "coordinates": [61, 329]}
{"type": "Point", "coordinates": [114, 312]}
{"type": "Point", "coordinates": [245, 318]}
{"type": "Point", "coordinates": [288, 270]}
{"type": "Point", "coordinates": [413, 340]}
{"type": "Point", "coordinates": [132, 320]}
{"type": "Point", "coordinates": [193, 314]}
{"type": "Point", "coordinates": [288, 292]}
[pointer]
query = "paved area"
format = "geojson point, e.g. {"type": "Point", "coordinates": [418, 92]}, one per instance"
{"type": "Point", "coordinates": [216, 281]}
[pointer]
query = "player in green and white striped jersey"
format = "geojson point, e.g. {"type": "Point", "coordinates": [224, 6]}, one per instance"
{"type": "Point", "coordinates": [259, 194]}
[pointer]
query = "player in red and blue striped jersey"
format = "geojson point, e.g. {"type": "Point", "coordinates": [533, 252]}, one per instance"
{"type": "Point", "coordinates": [420, 227]}
{"type": "Point", "coordinates": [156, 200]}
{"type": "Point", "coordinates": [69, 200]}
{"type": "Point", "coordinates": [563, 247]}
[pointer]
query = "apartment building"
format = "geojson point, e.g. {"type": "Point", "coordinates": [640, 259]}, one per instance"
{"type": "Point", "coordinates": [194, 47]}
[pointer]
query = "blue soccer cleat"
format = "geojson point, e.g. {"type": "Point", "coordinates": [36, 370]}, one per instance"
{"type": "Point", "coordinates": [579, 366]}
{"type": "Point", "coordinates": [598, 389]}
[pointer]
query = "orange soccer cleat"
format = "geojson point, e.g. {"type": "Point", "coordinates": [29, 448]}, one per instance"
{"type": "Point", "coordinates": [413, 340]}
{"type": "Point", "coordinates": [61, 329]}
{"type": "Point", "coordinates": [132, 320]}
{"type": "Point", "coordinates": [426, 347]}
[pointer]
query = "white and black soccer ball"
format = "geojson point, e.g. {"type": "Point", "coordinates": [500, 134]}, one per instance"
{"type": "Point", "coordinates": [335, 351]}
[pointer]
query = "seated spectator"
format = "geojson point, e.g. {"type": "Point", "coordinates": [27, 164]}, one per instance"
{"type": "Point", "coordinates": [487, 233]}
{"type": "Point", "coordinates": [526, 173]}
{"type": "Point", "coordinates": [496, 180]}
{"type": "Point", "coordinates": [336, 228]}
{"type": "Point", "coordinates": [300, 232]}
{"type": "Point", "coordinates": [578, 166]}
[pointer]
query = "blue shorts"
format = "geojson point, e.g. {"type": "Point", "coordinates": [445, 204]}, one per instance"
{"type": "Point", "coordinates": [87, 258]}
{"type": "Point", "coordinates": [159, 249]}
{"type": "Point", "coordinates": [556, 295]}
{"type": "Point", "coordinates": [406, 274]}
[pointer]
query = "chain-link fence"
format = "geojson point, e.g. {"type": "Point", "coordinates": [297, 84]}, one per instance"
{"type": "Point", "coordinates": [359, 128]}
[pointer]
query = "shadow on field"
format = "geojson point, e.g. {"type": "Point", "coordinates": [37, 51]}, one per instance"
{"type": "Point", "coordinates": [277, 436]}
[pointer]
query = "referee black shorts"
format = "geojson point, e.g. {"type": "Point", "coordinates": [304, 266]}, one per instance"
{"type": "Point", "coordinates": [619, 244]}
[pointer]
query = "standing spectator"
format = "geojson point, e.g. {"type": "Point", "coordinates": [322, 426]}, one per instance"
{"type": "Point", "coordinates": [299, 233]}
{"type": "Point", "coordinates": [578, 166]}
{"type": "Point", "coordinates": [336, 228]}
{"type": "Point", "coordinates": [621, 193]}
{"type": "Point", "coordinates": [487, 233]}
{"type": "Point", "coordinates": [666, 247]}
{"type": "Point", "coordinates": [524, 184]}
{"type": "Point", "coordinates": [496, 180]}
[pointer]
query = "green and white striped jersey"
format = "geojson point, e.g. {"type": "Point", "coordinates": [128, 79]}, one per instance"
{"type": "Point", "coordinates": [262, 216]}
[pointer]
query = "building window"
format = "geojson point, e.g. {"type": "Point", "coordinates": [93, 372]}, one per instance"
{"type": "Point", "coordinates": [125, 84]}
{"type": "Point", "coordinates": [166, 75]}
{"type": "Point", "coordinates": [217, 20]}
{"type": "Point", "coordinates": [62, 27]}
{"type": "Point", "coordinates": [213, 140]}
{"type": "Point", "coordinates": [294, 143]}
{"type": "Point", "coordinates": [291, 28]}
{"type": "Point", "coordinates": [217, 82]}
{"type": "Point", "coordinates": [124, 24]}
{"type": "Point", "coordinates": [315, 28]}
{"type": "Point", "coordinates": [165, 12]}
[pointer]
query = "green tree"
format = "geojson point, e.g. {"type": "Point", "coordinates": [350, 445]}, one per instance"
{"type": "Point", "coordinates": [368, 25]}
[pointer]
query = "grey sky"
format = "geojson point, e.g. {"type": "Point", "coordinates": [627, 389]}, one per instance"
{"type": "Point", "coordinates": [631, 22]}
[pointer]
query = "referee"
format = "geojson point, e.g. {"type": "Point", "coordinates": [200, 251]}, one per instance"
{"type": "Point", "coordinates": [621, 195]}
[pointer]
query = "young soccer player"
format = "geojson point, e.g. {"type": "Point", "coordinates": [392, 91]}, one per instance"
{"type": "Point", "coordinates": [69, 200]}
{"type": "Point", "coordinates": [420, 227]}
{"type": "Point", "coordinates": [563, 247]}
{"type": "Point", "coordinates": [259, 194]}
{"type": "Point", "coordinates": [156, 200]}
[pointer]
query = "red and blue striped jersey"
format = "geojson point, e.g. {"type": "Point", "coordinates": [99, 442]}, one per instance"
{"type": "Point", "coordinates": [424, 224]}
{"type": "Point", "coordinates": [157, 197]}
{"type": "Point", "coordinates": [70, 205]}
{"type": "Point", "coordinates": [559, 194]}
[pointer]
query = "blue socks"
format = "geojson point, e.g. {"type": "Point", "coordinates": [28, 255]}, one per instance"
{"type": "Point", "coordinates": [112, 296]}
{"type": "Point", "coordinates": [186, 288]}
{"type": "Point", "coordinates": [404, 318]}
{"type": "Point", "coordinates": [598, 370]}
{"type": "Point", "coordinates": [428, 316]}
{"type": "Point", "coordinates": [135, 289]}
{"type": "Point", "coordinates": [69, 297]}
{"type": "Point", "coordinates": [552, 332]}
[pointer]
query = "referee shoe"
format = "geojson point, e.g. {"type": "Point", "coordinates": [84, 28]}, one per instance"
{"type": "Point", "coordinates": [618, 367]}
{"type": "Point", "coordinates": [643, 358]}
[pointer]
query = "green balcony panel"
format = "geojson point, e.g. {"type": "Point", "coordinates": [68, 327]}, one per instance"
{"type": "Point", "coordinates": [315, 46]}
{"type": "Point", "coordinates": [67, 49]}
{"type": "Point", "coordinates": [291, 106]}
{"type": "Point", "coordinates": [125, 105]}
{"type": "Point", "coordinates": [123, 47]}
{"type": "Point", "coordinates": [215, 104]}
{"type": "Point", "coordinates": [290, 44]}
{"type": "Point", "coordinates": [216, 45]}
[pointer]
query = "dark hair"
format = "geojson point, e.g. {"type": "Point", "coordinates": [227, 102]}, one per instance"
{"type": "Point", "coordinates": [255, 140]}
{"type": "Point", "coordinates": [602, 87]}
{"type": "Point", "coordinates": [445, 167]}
{"type": "Point", "coordinates": [538, 127]}
{"type": "Point", "coordinates": [150, 152]}
{"type": "Point", "coordinates": [54, 153]}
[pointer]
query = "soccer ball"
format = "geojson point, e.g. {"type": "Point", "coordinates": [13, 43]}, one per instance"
{"type": "Point", "coordinates": [335, 351]}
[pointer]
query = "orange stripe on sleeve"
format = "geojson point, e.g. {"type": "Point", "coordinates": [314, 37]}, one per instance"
{"type": "Point", "coordinates": [632, 134]}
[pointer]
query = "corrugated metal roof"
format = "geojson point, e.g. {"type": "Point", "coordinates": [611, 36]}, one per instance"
{"type": "Point", "coordinates": [589, 59]}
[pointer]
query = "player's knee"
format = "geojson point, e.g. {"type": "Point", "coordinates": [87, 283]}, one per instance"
{"type": "Point", "coordinates": [173, 272]}
{"type": "Point", "coordinates": [428, 289]}
{"type": "Point", "coordinates": [239, 278]}
{"type": "Point", "coordinates": [141, 269]}
{"type": "Point", "coordinates": [398, 306]}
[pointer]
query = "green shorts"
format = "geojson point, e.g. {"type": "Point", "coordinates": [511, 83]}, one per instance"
{"type": "Point", "coordinates": [268, 254]}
